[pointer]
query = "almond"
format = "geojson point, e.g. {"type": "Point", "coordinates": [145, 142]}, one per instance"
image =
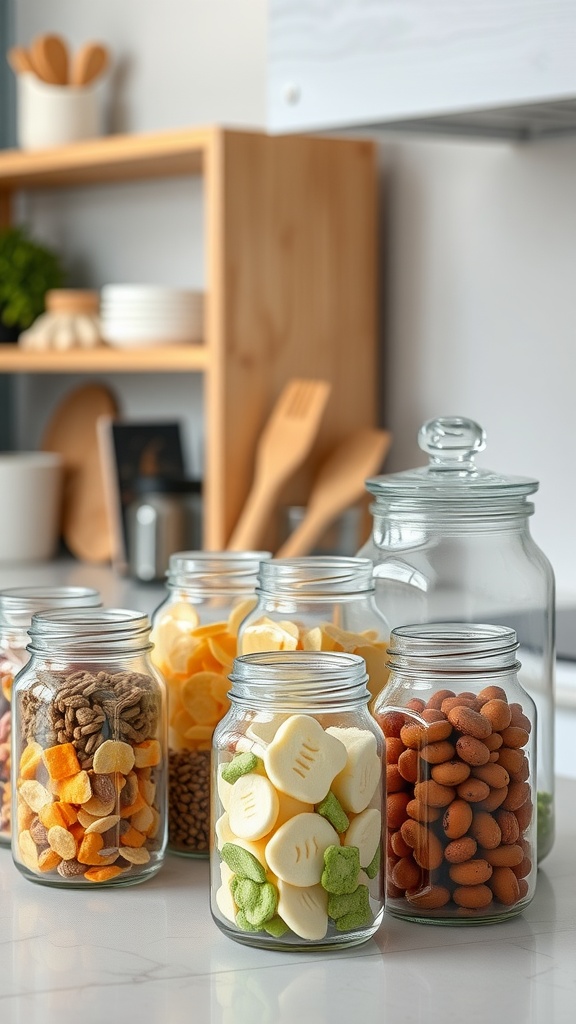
{"type": "Point", "coordinates": [450, 773]}
{"type": "Point", "coordinates": [438, 697]}
{"type": "Point", "coordinates": [471, 872]}
{"type": "Point", "coordinates": [394, 748]}
{"type": "Point", "coordinates": [503, 856]}
{"type": "Point", "coordinates": [396, 809]}
{"type": "Point", "coordinates": [473, 897]}
{"type": "Point", "coordinates": [511, 759]}
{"type": "Point", "coordinates": [470, 723]}
{"type": "Point", "coordinates": [422, 812]}
{"type": "Point", "coordinates": [473, 790]}
{"type": "Point", "coordinates": [436, 753]}
{"type": "Point", "coordinates": [460, 850]}
{"type": "Point", "coordinates": [498, 714]}
{"type": "Point", "coordinates": [457, 819]}
{"type": "Point", "coordinates": [493, 774]}
{"type": "Point", "coordinates": [408, 765]}
{"type": "Point", "coordinates": [430, 898]}
{"type": "Point", "coordinates": [486, 830]}
{"type": "Point", "coordinates": [509, 828]}
{"type": "Point", "coordinates": [519, 719]}
{"type": "Point", "coordinates": [472, 750]}
{"type": "Point", "coordinates": [492, 693]}
{"type": "Point", "coordinates": [515, 737]}
{"type": "Point", "coordinates": [406, 874]}
{"type": "Point", "coordinates": [432, 793]}
{"type": "Point", "coordinates": [518, 794]}
{"type": "Point", "coordinates": [394, 780]}
{"type": "Point", "coordinates": [504, 885]}
{"type": "Point", "coordinates": [495, 799]}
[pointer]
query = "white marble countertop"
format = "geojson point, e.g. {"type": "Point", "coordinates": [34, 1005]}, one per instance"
{"type": "Point", "coordinates": [151, 954]}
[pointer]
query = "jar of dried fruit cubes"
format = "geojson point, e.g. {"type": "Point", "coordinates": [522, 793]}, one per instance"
{"type": "Point", "coordinates": [297, 804]}
{"type": "Point", "coordinates": [89, 746]}
{"type": "Point", "coordinates": [318, 603]}
{"type": "Point", "coordinates": [195, 638]}
{"type": "Point", "coordinates": [460, 775]}
{"type": "Point", "coordinates": [17, 606]}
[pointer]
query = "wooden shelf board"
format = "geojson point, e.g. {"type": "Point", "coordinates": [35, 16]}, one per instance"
{"type": "Point", "coordinates": [108, 158]}
{"type": "Point", "coordinates": [161, 359]}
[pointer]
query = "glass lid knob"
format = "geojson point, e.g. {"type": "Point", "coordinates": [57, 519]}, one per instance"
{"type": "Point", "coordinates": [452, 442]}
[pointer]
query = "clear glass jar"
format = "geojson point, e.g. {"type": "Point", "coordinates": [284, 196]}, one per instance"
{"type": "Point", "coordinates": [17, 606]}
{"type": "Point", "coordinates": [460, 775]}
{"type": "Point", "coordinates": [194, 632]}
{"type": "Point", "coordinates": [452, 542]}
{"type": "Point", "coordinates": [89, 747]}
{"type": "Point", "coordinates": [318, 603]}
{"type": "Point", "coordinates": [297, 804]}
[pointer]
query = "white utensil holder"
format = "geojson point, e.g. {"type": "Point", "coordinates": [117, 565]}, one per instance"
{"type": "Point", "coordinates": [54, 115]}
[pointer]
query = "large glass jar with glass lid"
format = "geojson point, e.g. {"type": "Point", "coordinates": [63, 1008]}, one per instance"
{"type": "Point", "coordinates": [460, 775]}
{"type": "Point", "coordinates": [89, 744]}
{"type": "Point", "coordinates": [318, 603]}
{"type": "Point", "coordinates": [296, 858]}
{"type": "Point", "coordinates": [17, 606]}
{"type": "Point", "coordinates": [452, 542]}
{"type": "Point", "coordinates": [195, 642]}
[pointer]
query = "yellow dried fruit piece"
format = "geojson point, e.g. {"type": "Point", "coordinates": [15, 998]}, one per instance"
{"type": "Point", "coordinates": [76, 789]}
{"type": "Point", "coordinates": [199, 733]}
{"type": "Point", "coordinates": [219, 688]}
{"type": "Point", "coordinates": [102, 824]}
{"type": "Point", "coordinates": [204, 710]}
{"type": "Point", "coordinates": [375, 666]}
{"type": "Point", "coordinates": [48, 860]}
{"type": "Point", "coordinates": [98, 808]}
{"type": "Point", "coordinates": [224, 649]}
{"type": "Point", "coordinates": [62, 842]}
{"type": "Point", "coordinates": [102, 874]}
{"type": "Point", "coordinates": [344, 639]}
{"type": "Point", "coordinates": [152, 830]}
{"type": "Point", "coordinates": [312, 640]}
{"type": "Point", "coordinates": [178, 655]}
{"type": "Point", "coordinates": [199, 683]}
{"type": "Point", "coordinates": [35, 794]}
{"type": "Point", "coordinates": [61, 761]}
{"type": "Point", "coordinates": [239, 613]}
{"type": "Point", "coordinates": [57, 813]}
{"type": "Point", "coordinates": [28, 850]}
{"type": "Point", "coordinates": [143, 819]}
{"type": "Point", "coordinates": [89, 851]}
{"type": "Point", "coordinates": [113, 756]}
{"type": "Point", "coordinates": [147, 754]}
{"type": "Point", "coordinates": [87, 819]}
{"type": "Point", "coordinates": [29, 760]}
{"type": "Point", "coordinates": [267, 635]}
{"type": "Point", "coordinates": [135, 854]}
{"type": "Point", "coordinates": [25, 816]}
{"type": "Point", "coordinates": [132, 837]}
{"type": "Point", "coordinates": [147, 789]}
{"type": "Point", "coordinates": [210, 629]}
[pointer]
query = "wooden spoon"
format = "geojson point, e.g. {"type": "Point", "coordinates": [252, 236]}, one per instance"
{"type": "Point", "coordinates": [20, 61]}
{"type": "Point", "coordinates": [50, 59]}
{"type": "Point", "coordinates": [90, 61]}
{"type": "Point", "coordinates": [340, 483]}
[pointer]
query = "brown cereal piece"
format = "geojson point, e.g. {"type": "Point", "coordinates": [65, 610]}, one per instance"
{"type": "Point", "coordinates": [62, 842]}
{"type": "Point", "coordinates": [39, 832]}
{"type": "Point", "coordinates": [107, 787]}
{"type": "Point", "coordinates": [437, 698]}
{"type": "Point", "coordinates": [420, 811]}
{"type": "Point", "coordinates": [469, 722]}
{"type": "Point", "coordinates": [433, 794]}
{"type": "Point", "coordinates": [396, 809]}
{"type": "Point", "coordinates": [471, 750]}
{"type": "Point", "coordinates": [135, 854]}
{"type": "Point", "coordinates": [492, 693]}
{"type": "Point", "coordinates": [450, 773]}
{"type": "Point", "coordinates": [394, 748]}
{"type": "Point", "coordinates": [460, 850]}
{"type": "Point", "coordinates": [504, 856]}
{"type": "Point", "coordinates": [515, 737]}
{"type": "Point", "coordinates": [408, 765]}
{"type": "Point", "coordinates": [518, 794]}
{"type": "Point", "coordinates": [473, 790]}
{"type": "Point", "coordinates": [394, 780]}
{"type": "Point", "coordinates": [147, 754]}
{"type": "Point", "coordinates": [57, 813]}
{"type": "Point", "coordinates": [457, 819]}
{"type": "Point", "coordinates": [406, 874]}
{"type": "Point", "coordinates": [431, 897]}
{"type": "Point", "coordinates": [437, 753]}
{"type": "Point", "coordinates": [48, 860]}
{"type": "Point", "coordinates": [113, 756]}
{"type": "Point", "coordinates": [34, 794]}
{"type": "Point", "coordinates": [498, 714]}
{"type": "Point", "coordinates": [70, 868]}
{"type": "Point", "coordinates": [473, 897]}
{"type": "Point", "coordinates": [76, 789]}
{"type": "Point", "coordinates": [103, 874]}
{"type": "Point", "coordinates": [30, 759]}
{"type": "Point", "coordinates": [504, 885]}
{"type": "Point", "coordinates": [101, 825]}
{"type": "Point", "coordinates": [471, 872]}
{"type": "Point", "coordinates": [61, 761]}
{"type": "Point", "coordinates": [130, 791]}
{"type": "Point", "coordinates": [494, 775]}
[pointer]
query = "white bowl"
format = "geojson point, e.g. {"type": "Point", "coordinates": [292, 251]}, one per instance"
{"type": "Point", "coordinates": [145, 293]}
{"type": "Point", "coordinates": [31, 489]}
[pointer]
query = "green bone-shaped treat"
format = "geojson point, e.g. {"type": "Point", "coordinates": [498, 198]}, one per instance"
{"type": "Point", "coordinates": [341, 869]}
{"type": "Point", "coordinates": [276, 927]}
{"type": "Point", "coordinates": [374, 865]}
{"type": "Point", "coordinates": [257, 900]}
{"type": "Point", "coordinates": [240, 764]}
{"type": "Point", "coordinates": [357, 902]}
{"type": "Point", "coordinates": [242, 862]}
{"type": "Point", "coordinates": [243, 923]}
{"type": "Point", "coordinates": [331, 809]}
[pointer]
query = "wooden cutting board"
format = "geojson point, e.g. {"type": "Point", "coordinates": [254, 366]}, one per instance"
{"type": "Point", "coordinates": [71, 431]}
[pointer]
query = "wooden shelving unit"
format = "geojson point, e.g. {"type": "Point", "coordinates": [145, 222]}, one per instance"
{"type": "Point", "coordinates": [291, 253]}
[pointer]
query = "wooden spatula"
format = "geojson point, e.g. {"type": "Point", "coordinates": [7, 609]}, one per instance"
{"type": "Point", "coordinates": [19, 60]}
{"type": "Point", "coordinates": [340, 483]}
{"type": "Point", "coordinates": [50, 59]}
{"type": "Point", "coordinates": [90, 61]}
{"type": "Point", "coordinates": [283, 445]}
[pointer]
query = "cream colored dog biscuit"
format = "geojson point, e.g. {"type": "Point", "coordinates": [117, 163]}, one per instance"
{"type": "Point", "coordinates": [356, 783]}
{"type": "Point", "coordinates": [365, 833]}
{"type": "Point", "coordinates": [253, 807]}
{"type": "Point", "coordinates": [303, 759]}
{"type": "Point", "coordinates": [305, 910]}
{"type": "Point", "coordinates": [295, 853]}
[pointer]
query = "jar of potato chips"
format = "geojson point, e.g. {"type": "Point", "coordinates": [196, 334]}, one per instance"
{"type": "Point", "coordinates": [89, 779]}
{"type": "Point", "coordinates": [17, 606]}
{"type": "Point", "coordinates": [296, 859]}
{"type": "Point", "coordinates": [195, 638]}
{"type": "Point", "coordinates": [318, 603]}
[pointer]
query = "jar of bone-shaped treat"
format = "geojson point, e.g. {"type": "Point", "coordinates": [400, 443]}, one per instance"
{"type": "Point", "coordinates": [89, 767]}
{"type": "Point", "coordinates": [296, 804]}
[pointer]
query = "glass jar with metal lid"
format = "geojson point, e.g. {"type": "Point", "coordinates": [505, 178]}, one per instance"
{"type": "Point", "coordinates": [296, 857]}
{"type": "Point", "coordinates": [452, 542]}
{"type": "Point", "coordinates": [460, 775]}
{"type": "Point", "coordinates": [318, 603]}
{"type": "Point", "coordinates": [89, 745]}
{"type": "Point", "coordinates": [17, 606]}
{"type": "Point", "coordinates": [195, 642]}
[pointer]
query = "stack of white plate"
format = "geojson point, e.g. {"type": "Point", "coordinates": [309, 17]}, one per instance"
{"type": "Point", "coordinates": [144, 315]}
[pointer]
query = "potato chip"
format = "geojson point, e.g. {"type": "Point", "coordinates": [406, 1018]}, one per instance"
{"type": "Point", "coordinates": [113, 756]}
{"type": "Point", "coordinates": [210, 629]}
{"type": "Point", "coordinates": [239, 613]}
{"type": "Point", "coordinates": [267, 635]}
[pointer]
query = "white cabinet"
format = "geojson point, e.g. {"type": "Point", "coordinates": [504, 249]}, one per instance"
{"type": "Point", "coordinates": [494, 67]}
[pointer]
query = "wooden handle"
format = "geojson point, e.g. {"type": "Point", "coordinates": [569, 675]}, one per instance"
{"type": "Point", "coordinates": [252, 521]}
{"type": "Point", "coordinates": [304, 537]}
{"type": "Point", "coordinates": [20, 61]}
{"type": "Point", "coordinates": [89, 62]}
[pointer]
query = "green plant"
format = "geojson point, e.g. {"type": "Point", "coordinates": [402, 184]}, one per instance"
{"type": "Point", "coordinates": [27, 271]}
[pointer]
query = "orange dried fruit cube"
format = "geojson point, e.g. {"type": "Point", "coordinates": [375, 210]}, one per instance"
{"type": "Point", "coordinates": [147, 754]}
{"type": "Point", "coordinates": [29, 760]}
{"type": "Point", "coordinates": [76, 789]}
{"type": "Point", "coordinates": [89, 850]}
{"type": "Point", "coordinates": [77, 830]}
{"type": "Point", "coordinates": [61, 760]}
{"type": "Point", "coordinates": [135, 806]}
{"type": "Point", "coordinates": [102, 874]}
{"type": "Point", "coordinates": [48, 860]}
{"type": "Point", "coordinates": [62, 842]}
{"type": "Point", "coordinates": [113, 756]}
{"type": "Point", "coordinates": [57, 813]}
{"type": "Point", "coordinates": [132, 837]}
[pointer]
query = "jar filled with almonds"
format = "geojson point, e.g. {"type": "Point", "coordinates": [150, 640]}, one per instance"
{"type": "Point", "coordinates": [318, 603]}
{"type": "Point", "coordinates": [296, 859]}
{"type": "Point", "coordinates": [89, 746]}
{"type": "Point", "coordinates": [17, 606]}
{"type": "Point", "coordinates": [460, 775]}
{"type": "Point", "coordinates": [195, 642]}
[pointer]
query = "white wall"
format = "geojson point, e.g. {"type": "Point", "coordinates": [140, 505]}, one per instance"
{"type": "Point", "coordinates": [478, 240]}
